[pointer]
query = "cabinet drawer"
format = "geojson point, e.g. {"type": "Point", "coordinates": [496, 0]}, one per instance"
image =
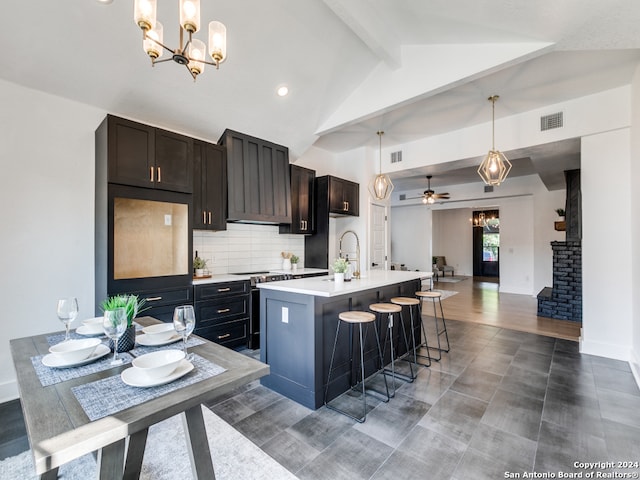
{"type": "Point", "coordinates": [229, 334]}
{"type": "Point", "coordinates": [215, 290]}
{"type": "Point", "coordinates": [169, 296]}
{"type": "Point", "coordinates": [221, 310]}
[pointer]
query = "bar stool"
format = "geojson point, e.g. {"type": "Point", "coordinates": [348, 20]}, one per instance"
{"type": "Point", "coordinates": [359, 318]}
{"type": "Point", "coordinates": [389, 308]}
{"type": "Point", "coordinates": [414, 303]}
{"type": "Point", "coordinates": [433, 296]}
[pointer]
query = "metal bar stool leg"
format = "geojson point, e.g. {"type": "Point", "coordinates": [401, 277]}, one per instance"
{"type": "Point", "coordinates": [444, 328]}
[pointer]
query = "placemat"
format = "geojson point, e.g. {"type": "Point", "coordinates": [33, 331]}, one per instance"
{"type": "Point", "coordinates": [51, 376]}
{"type": "Point", "coordinates": [111, 395]}
{"type": "Point", "coordinates": [142, 349]}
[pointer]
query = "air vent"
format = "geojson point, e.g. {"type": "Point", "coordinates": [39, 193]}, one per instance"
{"type": "Point", "coordinates": [549, 122]}
{"type": "Point", "coordinates": [403, 196]}
{"type": "Point", "coordinates": [396, 156]}
{"type": "Point", "coordinates": [488, 188]}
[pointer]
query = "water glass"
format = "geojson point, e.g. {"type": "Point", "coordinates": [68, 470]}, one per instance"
{"type": "Point", "coordinates": [114, 324]}
{"type": "Point", "coordinates": [67, 311]}
{"type": "Point", "coordinates": [184, 321]}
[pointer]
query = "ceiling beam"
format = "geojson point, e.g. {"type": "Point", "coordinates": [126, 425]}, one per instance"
{"type": "Point", "coordinates": [359, 16]}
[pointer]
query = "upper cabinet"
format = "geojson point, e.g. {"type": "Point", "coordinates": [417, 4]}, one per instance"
{"type": "Point", "coordinates": [344, 196]}
{"type": "Point", "coordinates": [258, 179]}
{"type": "Point", "coordinates": [144, 156]}
{"type": "Point", "coordinates": [209, 186]}
{"type": "Point", "coordinates": [302, 201]}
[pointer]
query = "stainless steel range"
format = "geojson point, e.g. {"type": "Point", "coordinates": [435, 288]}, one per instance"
{"type": "Point", "coordinates": [254, 319]}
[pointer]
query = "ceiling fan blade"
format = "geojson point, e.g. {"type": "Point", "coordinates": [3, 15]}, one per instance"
{"type": "Point", "coordinates": [444, 196]}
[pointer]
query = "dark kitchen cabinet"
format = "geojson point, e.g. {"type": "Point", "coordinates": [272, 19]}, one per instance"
{"type": "Point", "coordinates": [344, 196]}
{"type": "Point", "coordinates": [209, 186]}
{"type": "Point", "coordinates": [258, 179]}
{"type": "Point", "coordinates": [222, 312]}
{"type": "Point", "coordinates": [302, 201]}
{"type": "Point", "coordinates": [144, 156]}
{"type": "Point", "coordinates": [161, 303]}
{"type": "Point", "coordinates": [335, 197]}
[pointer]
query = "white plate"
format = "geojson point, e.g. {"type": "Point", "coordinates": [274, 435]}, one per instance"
{"type": "Point", "coordinates": [88, 332]}
{"type": "Point", "coordinates": [54, 361]}
{"type": "Point", "coordinates": [148, 342]}
{"type": "Point", "coordinates": [134, 377]}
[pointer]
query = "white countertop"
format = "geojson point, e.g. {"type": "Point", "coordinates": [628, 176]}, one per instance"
{"type": "Point", "coordinates": [231, 277]}
{"type": "Point", "coordinates": [326, 287]}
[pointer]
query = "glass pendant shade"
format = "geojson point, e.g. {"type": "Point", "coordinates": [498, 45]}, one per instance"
{"type": "Point", "coordinates": [151, 48]}
{"type": "Point", "coordinates": [190, 15]}
{"type": "Point", "coordinates": [144, 13]}
{"type": "Point", "coordinates": [197, 51]}
{"type": "Point", "coordinates": [494, 168]}
{"type": "Point", "coordinates": [217, 41]}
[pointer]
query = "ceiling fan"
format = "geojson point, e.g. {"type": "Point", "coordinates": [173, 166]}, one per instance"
{"type": "Point", "coordinates": [429, 196]}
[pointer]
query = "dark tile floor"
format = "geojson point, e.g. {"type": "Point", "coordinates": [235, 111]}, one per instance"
{"type": "Point", "coordinates": [500, 401]}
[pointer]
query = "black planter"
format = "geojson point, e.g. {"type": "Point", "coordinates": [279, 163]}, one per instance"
{"type": "Point", "coordinates": [127, 341]}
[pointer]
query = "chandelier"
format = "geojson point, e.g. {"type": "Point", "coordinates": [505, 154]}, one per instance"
{"type": "Point", "coordinates": [381, 186]}
{"type": "Point", "coordinates": [191, 53]}
{"type": "Point", "coordinates": [495, 167]}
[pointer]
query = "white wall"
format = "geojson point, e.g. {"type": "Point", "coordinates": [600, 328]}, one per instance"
{"type": "Point", "coordinates": [411, 237]}
{"type": "Point", "coordinates": [635, 225]}
{"type": "Point", "coordinates": [606, 244]}
{"type": "Point", "coordinates": [46, 206]}
{"type": "Point", "coordinates": [453, 238]}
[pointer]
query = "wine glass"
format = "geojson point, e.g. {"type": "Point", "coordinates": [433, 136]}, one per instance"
{"type": "Point", "coordinates": [114, 324]}
{"type": "Point", "coordinates": [67, 311]}
{"type": "Point", "coordinates": [184, 321]}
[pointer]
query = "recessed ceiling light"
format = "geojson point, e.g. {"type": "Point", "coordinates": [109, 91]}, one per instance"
{"type": "Point", "coordinates": [105, 2]}
{"type": "Point", "coordinates": [283, 91]}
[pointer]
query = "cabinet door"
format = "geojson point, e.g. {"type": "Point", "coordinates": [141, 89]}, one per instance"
{"type": "Point", "coordinates": [174, 162]}
{"type": "Point", "coordinates": [209, 186]}
{"type": "Point", "coordinates": [336, 195]}
{"type": "Point", "coordinates": [351, 192]}
{"type": "Point", "coordinates": [131, 152]}
{"type": "Point", "coordinates": [302, 201]}
{"type": "Point", "coordinates": [199, 186]}
{"type": "Point", "coordinates": [215, 186]}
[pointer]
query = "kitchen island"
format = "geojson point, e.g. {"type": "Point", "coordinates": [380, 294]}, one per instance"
{"type": "Point", "coordinates": [298, 321]}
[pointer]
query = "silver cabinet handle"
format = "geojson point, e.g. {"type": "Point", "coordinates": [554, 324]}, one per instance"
{"type": "Point", "coordinates": [224, 289]}
{"type": "Point", "coordinates": [204, 217]}
{"type": "Point", "coordinates": [226, 335]}
{"type": "Point", "coordinates": [153, 299]}
{"type": "Point", "coordinates": [209, 218]}
{"type": "Point", "coordinates": [159, 175]}
{"type": "Point", "coordinates": [151, 174]}
{"type": "Point", "coordinates": [224, 310]}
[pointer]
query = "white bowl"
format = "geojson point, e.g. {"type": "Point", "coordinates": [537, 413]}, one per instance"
{"type": "Point", "coordinates": [159, 332]}
{"type": "Point", "coordinates": [75, 350]}
{"type": "Point", "coordinates": [158, 364]}
{"type": "Point", "coordinates": [93, 325]}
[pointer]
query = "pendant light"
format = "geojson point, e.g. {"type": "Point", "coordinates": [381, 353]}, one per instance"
{"type": "Point", "coordinates": [381, 186]}
{"type": "Point", "coordinates": [495, 167]}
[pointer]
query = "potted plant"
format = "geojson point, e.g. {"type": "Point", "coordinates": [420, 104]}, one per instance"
{"type": "Point", "coordinates": [294, 262]}
{"type": "Point", "coordinates": [199, 264]}
{"type": "Point", "coordinates": [560, 212]}
{"type": "Point", "coordinates": [132, 305]}
{"type": "Point", "coordinates": [340, 267]}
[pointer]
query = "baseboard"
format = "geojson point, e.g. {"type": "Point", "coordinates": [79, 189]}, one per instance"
{"type": "Point", "coordinates": [607, 350]}
{"type": "Point", "coordinates": [9, 391]}
{"type": "Point", "coordinates": [634, 363]}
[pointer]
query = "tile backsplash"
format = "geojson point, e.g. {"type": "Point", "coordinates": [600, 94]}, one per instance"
{"type": "Point", "coordinates": [246, 247]}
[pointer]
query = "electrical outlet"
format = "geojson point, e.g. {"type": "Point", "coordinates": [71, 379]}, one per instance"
{"type": "Point", "coordinates": [167, 220]}
{"type": "Point", "coordinates": [285, 315]}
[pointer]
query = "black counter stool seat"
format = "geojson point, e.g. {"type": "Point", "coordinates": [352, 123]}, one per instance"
{"type": "Point", "coordinates": [414, 305]}
{"type": "Point", "coordinates": [433, 296]}
{"type": "Point", "coordinates": [388, 309]}
{"type": "Point", "coordinates": [358, 318]}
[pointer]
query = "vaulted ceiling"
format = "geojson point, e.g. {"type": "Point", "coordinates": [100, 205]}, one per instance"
{"type": "Point", "coordinates": [410, 67]}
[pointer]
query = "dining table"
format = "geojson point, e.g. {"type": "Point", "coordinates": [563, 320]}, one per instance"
{"type": "Point", "coordinates": [70, 416]}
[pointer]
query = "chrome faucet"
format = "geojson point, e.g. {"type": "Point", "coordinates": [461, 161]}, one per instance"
{"type": "Point", "coordinates": [356, 273]}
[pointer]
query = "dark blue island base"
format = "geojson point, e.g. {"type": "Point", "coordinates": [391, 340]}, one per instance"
{"type": "Point", "coordinates": [298, 332]}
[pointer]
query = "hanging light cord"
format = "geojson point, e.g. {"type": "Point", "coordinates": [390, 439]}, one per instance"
{"type": "Point", "coordinates": [493, 99]}
{"type": "Point", "coordinates": [380, 133]}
